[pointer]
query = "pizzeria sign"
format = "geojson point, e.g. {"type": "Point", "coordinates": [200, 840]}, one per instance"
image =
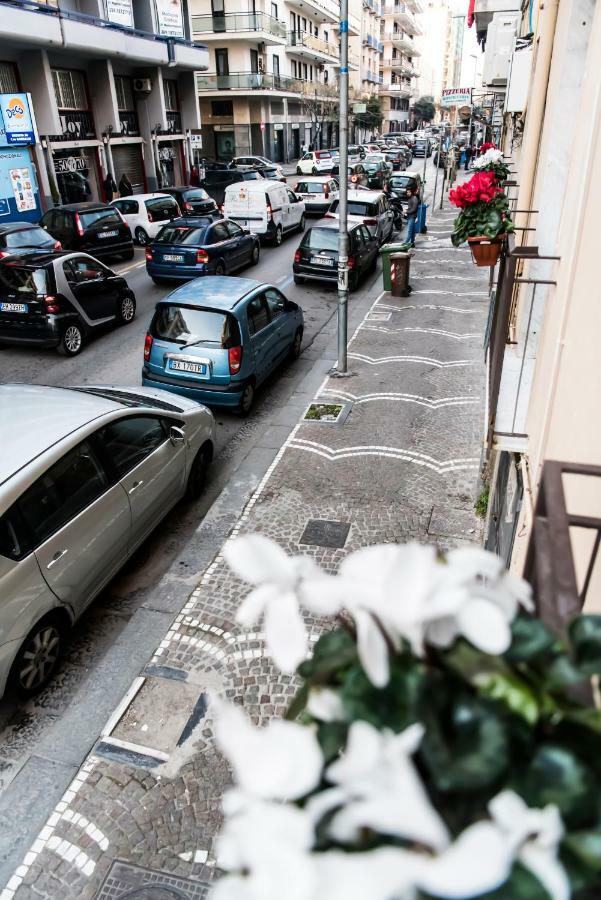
{"type": "Point", "coordinates": [456, 97]}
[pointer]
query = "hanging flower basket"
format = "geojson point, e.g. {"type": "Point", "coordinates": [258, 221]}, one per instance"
{"type": "Point", "coordinates": [485, 250]}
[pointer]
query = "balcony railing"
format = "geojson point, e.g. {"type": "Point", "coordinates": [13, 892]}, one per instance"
{"type": "Point", "coordinates": [308, 41]}
{"type": "Point", "coordinates": [77, 125]}
{"type": "Point", "coordinates": [128, 120]}
{"type": "Point", "coordinates": [246, 81]}
{"type": "Point", "coordinates": [174, 122]}
{"type": "Point", "coordinates": [238, 22]}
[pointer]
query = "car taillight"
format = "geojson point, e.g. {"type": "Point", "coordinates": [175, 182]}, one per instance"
{"type": "Point", "coordinates": [269, 213]}
{"type": "Point", "coordinates": [188, 205]}
{"type": "Point", "coordinates": [147, 346]}
{"type": "Point", "coordinates": [202, 256]}
{"type": "Point", "coordinates": [78, 225]}
{"type": "Point", "coordinates": [57, 245]}
{"type": "Point", "coordinates": [370, 221]}
{"type": "Point", "coordinates": [148, 253]}
{"type": "Point", "coordinates": [351, 262]}
{"type": "Point", "coordinates": [326, 194]}
{"type": "Point", "coordinates": [4, 253]}
{"type": "Point", "coordinates": [297, 256]}
{"type": "Point", "coordinates": [51, 304]}
{"type": "Point", "coordinates": [329, 215]}
{"type": "Point", "coordinates": [235, 359]}
{"type": "Point", "coordinates": [353, 178]}
{"type": "Point", "coordinates": [150, 219]}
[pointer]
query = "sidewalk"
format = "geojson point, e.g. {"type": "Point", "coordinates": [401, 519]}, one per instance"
{"type": "Point", "coordinates": [402, 465]}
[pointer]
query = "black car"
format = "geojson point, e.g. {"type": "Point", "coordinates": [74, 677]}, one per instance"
{"type": "Point", "coordinates": [422, 147]}
{"type": "Point", "coordinates": [95, 228]}
{"type": "Point", "coordinates": [15, 236]}
{"type": "Point", "coordinates": [192, 201]}
{"type": "Point", "coordinates": [317, 256]}
{"type": "Point", "coordinates": [216, 181]}
{"type": "Point", "coordinates": [57, 299]}
{"type": "Point", "coordinates": [357, 176]}
{"type": "Point", "coordinates": [401, 182]}
{"type": "Point", "coordinates": [192, 246]}
{"type": "Point", "coordinates": [378, 172]}
{"type": "Point", "coordinates": [397, 158]}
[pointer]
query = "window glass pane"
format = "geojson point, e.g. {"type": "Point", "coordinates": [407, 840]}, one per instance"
{"type": "Point", "coordinates": [233, 229]}
{"type": "Point", "coordinates": [64, 491]}
{"type": "Point", "coordinates": [99, 217]}
{"type": "Point", "coordinates": [321, 239]}
{"type": "Point", "coordinates": [129, 441]}
{"type": "Point", "coordinates": [170, 89]}
{"type": "Point", "coordinates": [28, 237]}
{"type": "Point", "coordinates": [12, 540]}
{"type": "Point", "coordinates": [8, 78]}
{"type": "Point", "coordinates": [67, 97]}
{"type": "Point", "coordinates": [174, 234]}
{"type": "Point", "coordinates": [20, 280]}
{"type": "Point", "coordinates": [310, 187]}
{"type": "Point", "coordinates": [218, 233]}
{"type": "Point", "coordinates": [258, 316]}
{"type": "Point", "coordinates": [85, 269]}
{"type": "Point", "coordinates": [275, 302]}
{"type": "Point", "coordinates": [194, 326]}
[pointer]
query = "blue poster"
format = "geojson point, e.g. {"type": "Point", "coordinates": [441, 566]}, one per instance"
{"type": "Point", "coordinates": [18, 119]}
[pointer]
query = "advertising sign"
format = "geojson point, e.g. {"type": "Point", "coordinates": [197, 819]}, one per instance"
{"type": "Point", "coordinates": [456, 96]}
{"type": "Point", "coordinates": [169, 14]}
{"type": "Point", "coordinates": [23, 189]}
{"type": "Point", "coordinates": [19, 123]}
{"type": "Point", "coordinates": [70, 164]}
{"type": "Point", "coordinates": [120, 12]}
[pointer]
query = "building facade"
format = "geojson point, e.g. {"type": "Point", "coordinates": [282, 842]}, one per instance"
{"type": "Point", "coordinates": [399, 34]}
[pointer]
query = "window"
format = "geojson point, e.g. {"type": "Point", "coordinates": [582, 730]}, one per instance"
{"type": "Point", "coordinates": [291, 197]}
{"type": "Point", "coordinates": [100, 217]}
{"type": "Point", "coordinates": [13, 539]}
{"type": "Point", "coordinates": [233, 230]}
{"type": "Point", "coordinates": [367, 237]}
{"type": "Point", "coordinates": [221, 62]}
{"type": "Point", "coordinates": [183, 325]}
{"type": "Point", "coordinates": [275, 64]}
{"type": "Point", "coordinates": [22, 280]}
{"type": "Point", "coordinates": [294, 72]}
{"type": "Point", "coordinates": [217, 234]}
{"type": "Point", "coordinates": [125, 97]}
{"type": "Point", "coordinates": [274, 10]}
{"type": "Point", "coordinates": [254, 61]}
{"type": "Point", "coordinates": [127, 207]}
{"type": "Point", "coordinates": [321, 239]}
{"type": "Point", "coordinates": [8, 78]}
{"type": "Point", "coordinates": [70, 89]}
{"type": "Point", "coordinates": [258, 314]}
{"type": "Point", "coordinates": [82, 270]}
{"type": "Point", "coordinates": [358, 240]}
{"type": "Point", "coordinates": [222, 108]}
{"type": "Point", "coordinates": [27, 237]}
{"type": "Point", "coordinates": [171, 96]}
{"type": "Point", "coordinates": [66, 489]}
{"type": "Point", "coordinates": [275, 302]}
{"type": "Point", "coordinates": [129, 441]}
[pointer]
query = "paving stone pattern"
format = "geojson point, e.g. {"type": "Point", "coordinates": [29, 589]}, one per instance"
{"type": "Point", "coordinates": [404, 465]}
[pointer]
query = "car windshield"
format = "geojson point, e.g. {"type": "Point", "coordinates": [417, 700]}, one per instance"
{"type": "Point", "coordinates": [28, 237]}
{"type": "Point", "coordinates": [196, 194]}
{"type": "Point", "coordinates": [99, 217]}
{"type": "Point", "coordinates": [403, 181]}
{"type": "Point", "coordinates": [310, 187]}
{"type": "Point", "coordinates": [372, 165]}
{"type": "Point", "coordinates": [181, 234]}
{"type": "Point", "coordinates": [132, 401]}
{"type": "Point", "coordinates": [357, 209]}
{"type": "Point", "coordinates": [160, 203]}
{"type": "Point", "coordinates": [21, 280]}
{"type": "Point", "coordinates": [321, 239]}
{"type": "Point", "coordinates": [186, 326]}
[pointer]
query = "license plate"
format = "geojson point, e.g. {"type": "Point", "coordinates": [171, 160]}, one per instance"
{"type": "Point", "coordinates": [173, 257]}
{"type": "Point", "coordinates": [14, 307]}
{"type": "Point", "coordinates": [104, 234]}
{"type": "Point", "coordinates": [322, 261]}
{"type": "Point", "coordinates": [181, 365]}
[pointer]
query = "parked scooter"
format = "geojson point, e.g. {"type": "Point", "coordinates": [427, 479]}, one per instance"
{"type": "Point", "coordinates": [397, 209]}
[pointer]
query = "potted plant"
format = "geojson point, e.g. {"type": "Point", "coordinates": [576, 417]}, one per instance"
{"type": "Point", "coordinates": [484, 218]}
{"type": "Point", "coordinates": [492, 161]}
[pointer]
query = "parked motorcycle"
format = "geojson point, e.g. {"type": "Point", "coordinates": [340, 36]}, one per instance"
{"type": "Point", "coordinates": [397, 209]}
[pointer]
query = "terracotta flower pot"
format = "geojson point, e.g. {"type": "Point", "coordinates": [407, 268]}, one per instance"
{"type": "Point", "coordinates": [485, 250]}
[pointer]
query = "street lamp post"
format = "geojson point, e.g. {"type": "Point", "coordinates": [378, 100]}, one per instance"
{"type": "Point", "coordinates": [343, 241]}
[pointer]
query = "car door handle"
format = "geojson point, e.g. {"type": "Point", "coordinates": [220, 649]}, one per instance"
{"type": "Point", "coordinates": [58, 555]}
{"type": "Point", "coordinates": [135, 486]}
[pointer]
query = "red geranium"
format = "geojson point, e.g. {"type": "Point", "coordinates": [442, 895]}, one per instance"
{"type": "Point", "coordinates": [488, 145]}
{"type": "Point", "coordinates": [481, 188]}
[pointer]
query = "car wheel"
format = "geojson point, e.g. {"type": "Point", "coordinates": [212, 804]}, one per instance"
{"type": "Point", "coordinates": [278, 236]}
{"type": "Point", "coordinates": [219, 269]}
{"type": "Point", "coordinates": [198, 474]}
{"type": "Point", "coordinates": [298, 279]}
{"type": "Point", "coordinates": [141, 237]}
{"type": "Point", "coordinates": [127, 309]}
{"type": "Point", "coordinates": [314, 171]}
{"type": "Point", "coordinates": [302, 224]}
{"type": "Point", "coordinates": [71, 340]}
{"type": "Point", "coordinates": [299, 171]}
{"type": "Point", "coordinates": [296, 346]}
{"type": "Point", "coordinates": [352, 282]}
{"type": "Point", "coordinates": [38, 657]}
{"type": "Point", "coordinates": [254, 257]}
{"type": "Point", "coordinates": [247, 400]}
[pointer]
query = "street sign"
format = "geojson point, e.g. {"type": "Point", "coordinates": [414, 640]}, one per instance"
{"type": "Point", "coordinates": [359, 108]}
{"type": "Point", "coordinates": [456, 96]}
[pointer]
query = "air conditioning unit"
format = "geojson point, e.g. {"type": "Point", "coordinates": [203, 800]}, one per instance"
{"type": "Point", "coordinates": [142, 85]}
{"type": "Point", "coordinates": [500, 41]}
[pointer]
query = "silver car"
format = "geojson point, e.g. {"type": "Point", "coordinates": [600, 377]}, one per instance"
{"type": "Point", "coordinates": [85, 475]}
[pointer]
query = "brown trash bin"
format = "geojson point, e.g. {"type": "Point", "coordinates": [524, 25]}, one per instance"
{"type": "Point", "coordinates": [399, 274]}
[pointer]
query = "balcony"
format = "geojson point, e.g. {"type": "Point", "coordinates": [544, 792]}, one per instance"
{"type": "Point", "coordinates": [402, 42]}
{"type": "Point", "coordinates": [247, 82]}
{"type": "Point", "coordinates": [395, 89]}
{"type": "Point", "coordinates": [128, 122]}
{"type": "Point", "coordinates": [401, 13]}
{"type": "Point", "coordinates": [243, 26]}
{"type": "Point", "coordinates": [322, 11]}
{"type": "Point", "coordinates": [174, 122]}
{"type": "Point", "coordinates": [303, 43]}
{"type": "Point", "coordinates": [77, 125]}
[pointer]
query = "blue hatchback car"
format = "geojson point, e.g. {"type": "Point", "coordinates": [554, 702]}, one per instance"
{"type": "Point", "coordinates": [191, 246]}
{"type": "Point", "coordinates": [216, 339]}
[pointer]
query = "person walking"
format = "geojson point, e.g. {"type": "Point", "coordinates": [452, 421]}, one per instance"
{"type": "Point", "coordinates": [468, 156]}
{"type": "Point", "coordinates": [412, 207]}
{"type": "Point", "coordinates": [110, 187]}
{"type": "Point", "coordinates": [125, 186]}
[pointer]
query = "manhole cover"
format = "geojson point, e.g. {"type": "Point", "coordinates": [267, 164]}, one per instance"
{"type": "Point", "coordinates": [127, 882]}
{"type": "Point", "coordinates": [324, 533]}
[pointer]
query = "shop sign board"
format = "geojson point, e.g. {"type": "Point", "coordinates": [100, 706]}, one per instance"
{"type": "Point", "coordinates": [170, 18]}
{"type": "Point", "coordinates": [120, 12]}
{"type": "Point", "coordinates": [278, 127]}
{"type": "Point", "coordinates": [70, 164]}
{"type": "Point", "coordinates": [456, 97]}
{"type": "Point", "coordinates": [17, 116]}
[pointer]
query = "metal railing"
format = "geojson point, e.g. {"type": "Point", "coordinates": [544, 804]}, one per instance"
{"type": "Point", "coordinates": [238, 22]}
{"type": "Point", "coordinates": [246, 81]}
{"type": "Point", "coordinates": [308, 41]}
{"type": "Point", "coordinates": [549, 566]}
{"type": "Point", "coordinates": [77, 125]}
{"type": "Point", "coordinates": [174, 122]}
{"type": "Point", "coordinates": [128, 120]}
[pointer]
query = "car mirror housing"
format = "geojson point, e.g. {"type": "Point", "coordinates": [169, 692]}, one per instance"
{"type": "Point", "coordinates": [176, 435]}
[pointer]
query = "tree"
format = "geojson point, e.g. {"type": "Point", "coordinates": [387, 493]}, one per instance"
{"type": "Point", "coordinates": [320, 103]}
{"type": "Point", "coordinates": [424, 108]}
{"type": "Point", "coordinates": [372, 118]}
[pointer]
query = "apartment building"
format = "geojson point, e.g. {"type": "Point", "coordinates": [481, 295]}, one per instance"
{"type": "Point", "coordinates": [399, 36]}
{"type": "Point", "coordinates": [273, 70]}
{"type": "Point", "coordinates": [112, 90]}
{"type": "Point", "coordinates": [543, 422]}
{"type": "Point", "coordinates": [435, 23]}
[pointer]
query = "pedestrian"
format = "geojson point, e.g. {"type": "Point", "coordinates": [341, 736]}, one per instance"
{"type": "Point", "coordinates": [468, 156]}
{"type": "Point", "coordinates": [194, 176]}
{"type": "Point", "coordinates": [125, 186]}
{"type": "Point", "coordinates": [110, 187]}
{"type": "Point", "coordinates": [412, 207]}
{"type": "Point", "coordinates": [304, 148]}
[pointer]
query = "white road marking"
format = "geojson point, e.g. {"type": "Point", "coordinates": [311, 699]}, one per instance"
{"type": "Point", "coordinates": [451, 334]}
{"type": "Point", "coordinates": [438, 363]}
{"type": "Point", "coordinates": [284, 282]}
{"type": "Point", "coordinates": [456, 309]}
{"type": "Point", "coordinates": [358, 399]}
{"type": "Point", "coordinates": [332, 454]}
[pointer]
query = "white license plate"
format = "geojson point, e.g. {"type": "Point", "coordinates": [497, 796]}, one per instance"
{"type": "Point", "coordinates": [14, 307]}
{"type": "Point", "coordinates": [321, 261]}
{"type": "Point", "coordinates": [173, 257]}
{"type": "Point", "coordinates": [180, 365]}
{"type": "Point", "coordinates": [104, 234]}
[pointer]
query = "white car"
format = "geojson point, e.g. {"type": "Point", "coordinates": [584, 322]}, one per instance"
{"type": "Point", "coordinates": [267, 208]}
{"type": "Point", "coordinates": [257, 162]}
{"type": "Point", "coordinates": [372, 209]}
{"type": "Point", "coordinates": [317, 192]}
{"type": "Point", "coordinates": [315, 162]}
{"type": "Point", "coordinates": [146, 214]}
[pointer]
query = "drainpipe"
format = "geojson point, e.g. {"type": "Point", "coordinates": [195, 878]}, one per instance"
{"type": "Point", "coordinates": [535, 108]}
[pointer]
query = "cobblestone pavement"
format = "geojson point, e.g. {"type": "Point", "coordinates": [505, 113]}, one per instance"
{"type": "Point", "coordinates": [404, 464]}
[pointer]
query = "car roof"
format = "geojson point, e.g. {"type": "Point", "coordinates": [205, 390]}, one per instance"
{"type": "Point", "coordinates": [364, 195]}
{"type": "Point", "coordinates": [406, 175]}
{"type": "Point", "coordinates": [5, 227]}
{"type": "Point", "coordinates": [180, 187]}
{"type": "Point", "coordinates": [192, 221]}
{"type": "Point", "coordinates": [222, 292]}
{"type": "Point", "coordinates": [90, 206]}
{"type": "Point", "coordinates": [320, 178]}
{"type": "Point", "coordinates": [262, 185]}
{"type": "Point", "coordinates": [40, 417]}
{"type": "Point", "coordinates": [151, 196]}
{"type": "Point", "coordinates": [35, 257]}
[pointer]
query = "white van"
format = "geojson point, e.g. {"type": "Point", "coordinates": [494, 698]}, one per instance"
{"type": "Point", "coordinates": [267, 208]}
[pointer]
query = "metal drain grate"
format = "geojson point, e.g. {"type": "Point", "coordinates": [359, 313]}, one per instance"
{"type": "Point", "coordinates": [127, 882]}
{"type": "Point", "coordinates": [325, 533]}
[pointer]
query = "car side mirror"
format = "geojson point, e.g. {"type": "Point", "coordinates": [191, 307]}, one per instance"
{"type": "Point", "coordinates": [176, 435]}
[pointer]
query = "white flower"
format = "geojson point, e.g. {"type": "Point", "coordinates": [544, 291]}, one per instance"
{"type": "Point", "coordinates": [278, 577]}
{"type": "Point", "coordinates": [381, 874]}
{"type": "Point", "coordinates": [380, 788]}
{"type": "Point", "coordinates": [282, 761]}
{"type": "Point", "coordinates": [325, 704]}
{"type": "Point", "coordinates": [491, 157]}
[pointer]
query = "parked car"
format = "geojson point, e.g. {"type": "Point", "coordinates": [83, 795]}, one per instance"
{"type": "Point", "coordinates": [218, 340]}
{"type": "Point", "coordinates": [401, 181]}
{"type": "Point", "coordinates": [192, 201]}
{"type": "Point", "coordinates": [397, 159]}
{"type": "Point", "coordinates": [96, 228]}
{"type": "Point", "coordinates": [371, 148]}
{"type": "Point", "coordinates": [422, 147]}
{"type": "Point", "coordinates": [257, 162]}
{"type": "Point", "coordinates": [193, 246]}
{"type": "Point", "coordinates": [317, 256]}
{"type": "Point", "coordinates": [216, 181]}
{"type": "Point", "coordinates": [357, 175]}
{"type": "Point", "coordinates": [266, 208]}
{"type": "Point", "coordinates": [378, 170]}
{"type": "Point", "coordinates": [372, 209]}
{"type": "Point", "coordinates": [77, 498]}
{"type": "Point", "coordinates": [15, 236]}
{"type": "Point", "coordinates": [58, 299]}
{"type": "Point", "coordinates": [146, 214]}
{"type": "Point", "coordinates": [353, 154]}
{"type": "Point", "coordinates": [317, 192]}
{"type": "Point", "coordinates": [273, 174]}
{"type": "Point", "coordinates": [315, 162]}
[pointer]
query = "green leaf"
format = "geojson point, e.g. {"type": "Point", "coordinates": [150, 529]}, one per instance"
{"type": "Point", "coordinates": [585, 634]}
{"type": "Point", "coordinates": [393, 706]}
{"type": "Point", "coordinates": [298, 703]}
{"type": "Point", "coordinates": [557, 775]}
{"type": "Point", "coordinates": [530, 639]}
{"type": "Point", "coordinates": [511, 691]}
{"type": "Point", "coordinates": [521, 885]}
{"type": "Point", "coordinates": [561, 672]}
{"type": "Point", "coordinates": [332, 738]}
{"type": "Point", "coordinates": [586, 846]}
{"type": "Point", "coordinates": [333, 651]}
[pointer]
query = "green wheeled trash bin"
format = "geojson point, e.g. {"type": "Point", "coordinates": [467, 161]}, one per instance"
{"type": "Point", "coordinates": [385, 252]}
{"type": "Point", "coordinates": [399, 273]}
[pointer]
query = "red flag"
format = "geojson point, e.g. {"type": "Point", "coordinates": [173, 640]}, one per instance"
{"type": "Point", "coordinates": [470, 13]}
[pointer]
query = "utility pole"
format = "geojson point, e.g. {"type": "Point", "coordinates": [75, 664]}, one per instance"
{"type": "Point", "coordinates": [343, 242]}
